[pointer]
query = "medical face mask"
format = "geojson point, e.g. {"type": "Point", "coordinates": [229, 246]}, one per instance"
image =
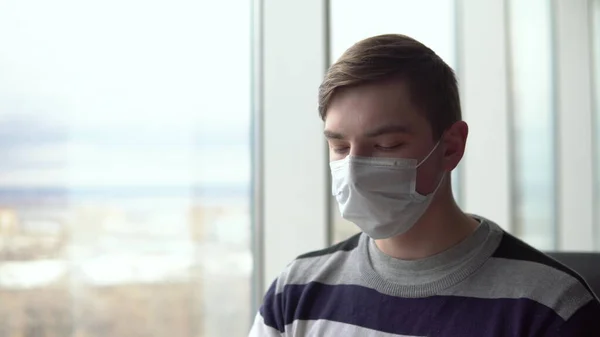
{"type": "Point", "coordinates": [379, 194]}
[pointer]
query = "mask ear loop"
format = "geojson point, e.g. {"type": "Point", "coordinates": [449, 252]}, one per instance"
{"type": "Point", "coordinates": [430, 152]}
{"type": "Point", "coordinates": [419, 197]}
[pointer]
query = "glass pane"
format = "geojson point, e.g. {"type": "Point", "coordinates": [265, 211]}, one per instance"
{"type": "Point", "coordinates": [436, 29]}
{"type": "Point", "coordinates": [595, 10]}
{"type": "Point", "coordinates": [531, 67]}
{"type": "Point", "coordinates": [124, 179]}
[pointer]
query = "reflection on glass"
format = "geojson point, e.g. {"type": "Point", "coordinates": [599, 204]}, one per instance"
{"type": "Point", "coordinates": [531, 60]}
{"type": "Point", "coordinates": [125, 168]}
{"type": "Point", "coordinates": [595, 17]}
{"type": "Point", "coordinates": [413, 18]}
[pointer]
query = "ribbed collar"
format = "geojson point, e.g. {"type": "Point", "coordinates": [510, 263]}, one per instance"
{"type": "Point", "coordinates": [426, 277]}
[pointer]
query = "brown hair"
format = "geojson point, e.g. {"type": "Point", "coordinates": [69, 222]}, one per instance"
{"type": "Point", "coordinates": [432, 84]}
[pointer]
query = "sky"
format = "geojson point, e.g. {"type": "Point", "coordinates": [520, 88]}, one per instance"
{"type": "Point", "coordinates": [430, 21]}
{"type": "Point", "coordinates": [124, 93]}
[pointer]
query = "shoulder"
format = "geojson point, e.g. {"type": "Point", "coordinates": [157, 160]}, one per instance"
{"type": "Point", "coordinates": [344, 246]}
{"type": "Point", "coordinates": [520, 272]}
{"type": "Point", "coordinates": [322, 266]}
{"type": "Point", "coordinates": [516, 253]}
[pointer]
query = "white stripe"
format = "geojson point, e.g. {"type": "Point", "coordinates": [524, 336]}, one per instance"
{"type": "Point", "coordinates": [319, 328]}
{"type": "Point", "coordinates": [260, 329]}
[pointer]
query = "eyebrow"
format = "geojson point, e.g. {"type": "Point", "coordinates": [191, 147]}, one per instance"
{"type": "Point", "coordinates": [383, 130]}
{"type": "Point", "coordinates": [387, 129]}
{"type": "Point", "coordinates": [333, 135]}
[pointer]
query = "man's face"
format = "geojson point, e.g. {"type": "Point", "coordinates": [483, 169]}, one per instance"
{"type": "Point", "coordinates": [379, 120]}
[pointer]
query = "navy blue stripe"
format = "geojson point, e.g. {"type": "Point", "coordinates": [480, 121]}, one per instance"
{"type": "Point", "coordinates": [432, 316]}
{"type": "Point", "coordinates": [271, 310]}
{"type": "Point", "coordinates": [585, 322]}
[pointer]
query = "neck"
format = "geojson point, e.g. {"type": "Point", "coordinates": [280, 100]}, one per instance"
{"type": "Point", "coordinates": [441, 227]}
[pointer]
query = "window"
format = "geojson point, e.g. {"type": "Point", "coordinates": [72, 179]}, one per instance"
{"type": "Point", "coordinates": [595, 24]}
{"type": "Point", "coordinates": [533, 133]}
{"type": "Point", "coordinates": [125, 171]}
{"type": "Point", "coordinates": [436, 29]}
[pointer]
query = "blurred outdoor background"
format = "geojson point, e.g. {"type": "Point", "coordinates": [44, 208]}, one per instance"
{"type": "Point", "coordinates": [130, 158]}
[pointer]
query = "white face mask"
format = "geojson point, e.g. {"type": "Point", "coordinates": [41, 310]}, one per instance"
{"type": "Point", "coordinates": [379, 194]}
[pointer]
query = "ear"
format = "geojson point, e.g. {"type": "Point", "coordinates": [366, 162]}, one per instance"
{"type": "Point", "coordinates": [455, 141]}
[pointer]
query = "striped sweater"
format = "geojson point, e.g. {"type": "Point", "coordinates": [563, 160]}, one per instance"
{"type": "Point", "coordinates": [490, 284]}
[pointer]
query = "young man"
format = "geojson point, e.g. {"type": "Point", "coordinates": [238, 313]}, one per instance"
{"type": "Point", "coordinates": [420, 267]}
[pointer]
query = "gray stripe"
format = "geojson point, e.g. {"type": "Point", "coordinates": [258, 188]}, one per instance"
{"type": "Point", "coordinates": [504, 278]}
{"type": "Point", "coordinates": [335, 268]}
{"type": "Point", "coordinates": [355, 267]}
{"type": "Point", "coordinates": [260, 329]}
{"type": "Point", "coordinates": [435, 267]}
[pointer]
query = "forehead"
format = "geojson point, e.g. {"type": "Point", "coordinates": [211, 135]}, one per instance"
{"type": "Point", "coordinates": [372, 105]}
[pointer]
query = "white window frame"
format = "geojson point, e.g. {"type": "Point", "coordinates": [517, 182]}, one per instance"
{"type": "Point", "coordinates": [575, 125]}
{"type": "Point", "coordinates": [483, 83]}
{"type": "Point", "coordinates": [293, 209]}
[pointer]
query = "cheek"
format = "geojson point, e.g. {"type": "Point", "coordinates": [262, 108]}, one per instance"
{"type": "Point", "coordinates": [428, 176]}
{"type": "Point", "coordinates": [335, 156]}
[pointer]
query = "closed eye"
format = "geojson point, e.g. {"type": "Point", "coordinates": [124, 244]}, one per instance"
{"type": "Point", "coordinates": [388, 148]}
{"type": "Point", "coordinates": [341, 150]}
